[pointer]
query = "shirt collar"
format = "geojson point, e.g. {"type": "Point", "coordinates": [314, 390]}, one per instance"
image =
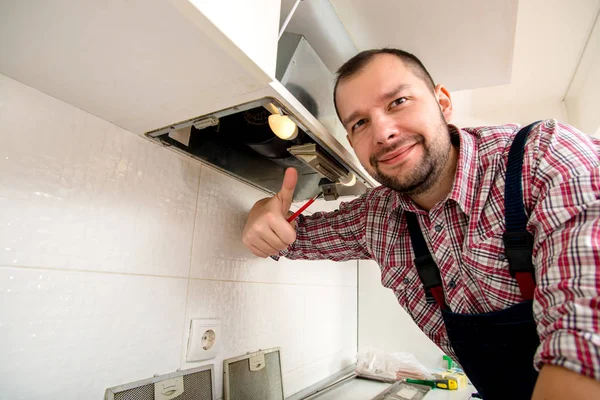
{"type": "Point", "coordinates": [465, 177]}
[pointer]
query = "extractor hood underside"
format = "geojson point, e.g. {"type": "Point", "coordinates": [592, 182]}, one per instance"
{"type": "Point", "coordinates": [239, 142]}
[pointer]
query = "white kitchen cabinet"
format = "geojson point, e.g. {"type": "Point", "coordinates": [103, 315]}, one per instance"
{"type": "Point", "coordinates": [149, 64]}
{"type": "Point", "coordinates": [140, 64]}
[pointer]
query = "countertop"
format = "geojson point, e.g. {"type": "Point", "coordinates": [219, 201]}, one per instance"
{"type": "Point", "coordinates": [363, 389]}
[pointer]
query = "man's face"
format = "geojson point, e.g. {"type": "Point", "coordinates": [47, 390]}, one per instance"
{"type": "Point", "coordinates": [395, 124]}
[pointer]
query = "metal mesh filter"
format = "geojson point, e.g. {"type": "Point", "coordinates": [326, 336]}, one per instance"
{"type": "Point", "coordinates": [197, 386]}
{"type": "Point", "coordinates": [145, 392]}
{"type": "Point", "coordinates": [265, 384]}
{"type": "Point", "coordinates": [403, 391]}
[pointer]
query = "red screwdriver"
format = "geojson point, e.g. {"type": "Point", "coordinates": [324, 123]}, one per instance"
{"type": "Point", "coordinates": [304, 207]}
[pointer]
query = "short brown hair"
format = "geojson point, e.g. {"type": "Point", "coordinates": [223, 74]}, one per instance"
{"type": "Point", "coordinates": [359, 61]}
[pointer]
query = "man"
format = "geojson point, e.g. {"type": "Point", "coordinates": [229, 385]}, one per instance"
{"type": "Point", "coordinates": [442, 207]}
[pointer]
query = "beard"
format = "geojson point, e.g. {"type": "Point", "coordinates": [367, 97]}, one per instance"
{"type": "Point", "coordinates": [424, 175]}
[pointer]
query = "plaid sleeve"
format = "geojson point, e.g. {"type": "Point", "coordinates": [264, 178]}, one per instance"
{"type": "Point", "coordinates": [565, 218]}
{"type": "Point", "coordinates": [338, 235]}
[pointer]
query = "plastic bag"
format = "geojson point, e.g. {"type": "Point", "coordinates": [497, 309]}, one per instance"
{"type": "Point", "coordinates": [390, 366]}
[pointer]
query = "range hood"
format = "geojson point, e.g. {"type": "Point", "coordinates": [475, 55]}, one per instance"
{"type": "Point", "coordinates": [239, 141]}
{"type": "Point", "coordinates": [198, 79]}
{"type": "Point", "coordinates": [197, 75]}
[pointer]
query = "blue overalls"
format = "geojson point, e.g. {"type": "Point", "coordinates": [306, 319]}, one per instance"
{"type": "Point", "coordinates": [493, 346]}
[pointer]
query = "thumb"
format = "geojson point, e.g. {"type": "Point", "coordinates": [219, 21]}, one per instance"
{"type": "Point", "coordinates": [286, 194]}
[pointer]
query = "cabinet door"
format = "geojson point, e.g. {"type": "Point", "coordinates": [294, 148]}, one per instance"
{"type": "Point", "coordinates": [141, 64]}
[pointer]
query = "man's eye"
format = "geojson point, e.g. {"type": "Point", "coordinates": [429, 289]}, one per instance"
{"type": "Point", "coordinates": [398, 101]}
{"type": "Point", "coordinates": [358, 124]}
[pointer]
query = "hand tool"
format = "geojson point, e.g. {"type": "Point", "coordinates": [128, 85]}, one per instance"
{"type": "Point", "coordinates": [448, 384]}
{"type": "Point", "coordinates": [304, 207]}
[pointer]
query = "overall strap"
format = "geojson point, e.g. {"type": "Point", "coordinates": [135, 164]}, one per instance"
{"type": "Point", "coordinates": [518, 242]}
{"type": "Point", "coordinates": [428, 271]}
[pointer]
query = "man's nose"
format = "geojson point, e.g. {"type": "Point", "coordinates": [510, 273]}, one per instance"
{"type": "Point", "coordinates": [385, 129]}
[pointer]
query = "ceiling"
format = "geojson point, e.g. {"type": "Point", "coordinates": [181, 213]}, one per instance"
{"type": "Point", "coordinates": [550, 39]}
{"type": "Point", "coordinates": [503, 61]}
{"type": "Point", "coordinates": [447, 36]}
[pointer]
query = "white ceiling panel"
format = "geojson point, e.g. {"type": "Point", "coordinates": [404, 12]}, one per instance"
{"type": "Point", "coordinates": [465, 44]}
{"type": "Point", "coordinates": [550, 40]}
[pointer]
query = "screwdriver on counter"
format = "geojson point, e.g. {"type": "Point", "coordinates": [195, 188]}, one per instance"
{"type": "Point", "coordinates": [448, 384]}
{"type": "Point", "coordinates": [304, 207]}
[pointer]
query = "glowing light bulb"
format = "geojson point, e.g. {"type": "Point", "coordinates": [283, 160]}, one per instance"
{"type": "Point", "coordinates": [349, 180]}
{"type": "Point", "coordinates": [283, 126]}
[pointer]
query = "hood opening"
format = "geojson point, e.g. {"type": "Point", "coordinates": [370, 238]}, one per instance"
{"type": "Point", "coordinates": [239, 140]}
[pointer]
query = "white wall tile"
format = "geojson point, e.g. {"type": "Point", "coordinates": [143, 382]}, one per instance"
{"type": "Point", "coordinates": [259, 316]}
{"type": "Point", "coordinates": [71, 335]}
{"type": "Point", "coordinates": [253, 317]}
{"type": "Point", "coordinates": [330, 322]}
{"type": "Point", "coordinates": [77, 192]}
{"type": "Point", "coordinates": [293, 382]}
{"type": "Point", "coordinates": [328, 273]}
{"type": "Point", "coordinates": [383, 323]}
{"type": "Point", "coordinates": [218, 252]}
{"type": "Point", "coordinates": [325, 367]}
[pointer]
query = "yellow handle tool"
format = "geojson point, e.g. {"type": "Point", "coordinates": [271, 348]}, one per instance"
{"type": "Point", "coordinates": [447, 384]}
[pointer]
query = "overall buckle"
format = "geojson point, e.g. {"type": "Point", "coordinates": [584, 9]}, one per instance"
{"type": "Point", "coordinates": [519, 248]}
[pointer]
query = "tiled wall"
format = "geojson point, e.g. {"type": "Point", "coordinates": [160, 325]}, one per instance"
{"type": "Point", "coordinates": [109, 245]}
{"type": "Point", "coordinates": [384, 325]}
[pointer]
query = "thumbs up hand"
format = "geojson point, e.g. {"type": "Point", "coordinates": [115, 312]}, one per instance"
{"type": "Point", "coordinates": [267, 230]}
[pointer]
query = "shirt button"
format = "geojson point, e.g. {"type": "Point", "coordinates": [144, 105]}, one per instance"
{"type": "Point", "coordinates": [501, 257]}
{"type": "Point", "coordinates": [452, 284]}
{"type": "Point", "coordinates": [438, 228]}
{"type": "Point", "coordinates": [405, 281]}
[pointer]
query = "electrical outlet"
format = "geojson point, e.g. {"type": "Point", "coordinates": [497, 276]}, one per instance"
{"type": "Point", "coordinates": [205, 339]}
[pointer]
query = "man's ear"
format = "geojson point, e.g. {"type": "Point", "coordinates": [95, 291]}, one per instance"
{"type": "Point", "coordinates": [444, 100]}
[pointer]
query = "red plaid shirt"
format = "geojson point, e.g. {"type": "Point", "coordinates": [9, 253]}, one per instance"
{"type": "Point", "coordinates": [561, 187]}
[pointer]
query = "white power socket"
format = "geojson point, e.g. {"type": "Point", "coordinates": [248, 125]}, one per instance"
{"type": "Point", "coordinates": [205, 339]}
